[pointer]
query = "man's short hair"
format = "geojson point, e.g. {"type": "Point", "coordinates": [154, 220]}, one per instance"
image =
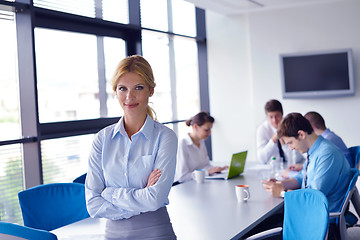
{"type": "Point", "coordinates": [292, 123]}
{"type": "Point", "coordinates": [316, 120]}
{"type": "Point", "coordinates": [273, 105]}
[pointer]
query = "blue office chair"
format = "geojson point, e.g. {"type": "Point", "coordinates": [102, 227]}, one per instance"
{"type": "Point", "coordinates": [11, 231]}
{"type": "Point", "coordinates": [340, 215]}
{"type": "Point", "coordinates": [355, 154]}
{"type": "Point", "coordinates": [51, 206]}
{"type": "Point", "coordinates": [355, 199]}
{"type": "Point", "coordinates": [80, 179]}
{"type": "Point", "coordinates": [306, 216]}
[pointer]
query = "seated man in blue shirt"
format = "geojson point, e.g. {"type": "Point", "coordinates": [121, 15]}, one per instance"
{"type": "Point", "coordinates": [325, 169]}
{"type": "Point", "coordinates": [318, 124]}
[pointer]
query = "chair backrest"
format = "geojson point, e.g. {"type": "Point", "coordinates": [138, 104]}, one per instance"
{"type": "Point", "coordinates": [80, 179]}
{"type": "Point", "coordinates": [355, 154]}
{"type": "Point", "coordinates": [354, 173]}
{"type": "Point", "coordinates": [51, 206]}
{"type": "Point", "coordinates": [306, 215]}
{"type": "Point", "coordinates": [11, 231]}
{"type": "Point", "coordinates": [340, 215]}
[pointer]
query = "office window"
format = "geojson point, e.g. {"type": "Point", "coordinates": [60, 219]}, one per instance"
{"type": "Point", "coordinates": [156, 51]}
{"type": "Point", "coordinates": [186, 98]}
{"type": "Point", "coordinates": [114, 51]}
{"type": "Point", "coordinates": [173, 59]}
{"type": "Point", "coordinates": [11, 177]}
{"type": "Point", "coordinates": [154, 14]}
{"type": "Point", "coordinates": [64, 159]}
{"type": "Point", "coordinates": [79, 7]}
{"type": "Point", "coordinates": [183, 18]}
{"type": "Point", "coordinates": [73, 71]}
{"type": "Point", "coordinates": [6, 15]}
{"type": "Point", "coordinates": [11, 182]}
{"type": "Point", "coordinates": [67, 75]}
{"type": "Point", "coordinates": [187, 77]}
{"type": "Point", "coordinates": [110, 10]}
{"type": "Point", "coordinates": [115, 11]}
{"type": "Point", "coordinates": [9, 89]}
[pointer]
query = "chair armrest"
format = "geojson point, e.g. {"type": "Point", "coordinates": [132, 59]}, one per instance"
{"type": "Point", "coordinates": [266, 234]}
{"type": "Point", "coordinates": [334, 214]}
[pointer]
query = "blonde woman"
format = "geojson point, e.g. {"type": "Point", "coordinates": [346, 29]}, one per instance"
{"type": "Point", "coordinates": [132, 163]}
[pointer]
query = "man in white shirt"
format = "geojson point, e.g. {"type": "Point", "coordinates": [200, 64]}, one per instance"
{"type": "Point", "coordinates": [267, 141]}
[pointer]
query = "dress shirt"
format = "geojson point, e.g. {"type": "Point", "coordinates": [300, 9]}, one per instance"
{"type": "Point", "coordinates": [327, 171]}
{"type": "Point", "coordinates": [335, 139]}
{"type": "Point", "coordinates": [266, 148]}
{"type": "Point", "coordinates": [119, 168]}
{"type": "Point", "coordinates": [189, 158]}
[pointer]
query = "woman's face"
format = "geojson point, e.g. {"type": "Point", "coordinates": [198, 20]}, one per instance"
{"type": "Point", "coordinates": [133, 94]}
{"type": "Point", "coordinates": [203, 131]}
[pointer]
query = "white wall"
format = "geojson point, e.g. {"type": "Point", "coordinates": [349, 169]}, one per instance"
{"type": "Point", "coordinates": [230, 87]}
{"type": "Point", "coordinates": [244, 70]}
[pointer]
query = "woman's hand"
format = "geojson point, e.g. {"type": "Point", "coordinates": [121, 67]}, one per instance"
{"type": "Point", "coordinates": [217, 169]}
{"type": "Point", "coordinates": [153, 177]}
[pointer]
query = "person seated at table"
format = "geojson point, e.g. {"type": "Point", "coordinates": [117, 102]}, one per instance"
{"type": "Point", "coordinates": [268, 143]}
{"type": "Point", "coordinates": [132, 162]}
{"type": "Point", "coordinates": [318, 124]}
{"type": "Point", "coordinates": [326, 168]}
{"type": "Point", "coordinates": [192, 153]}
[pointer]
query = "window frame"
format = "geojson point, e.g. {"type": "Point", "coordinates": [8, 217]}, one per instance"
{"type": "Point", "coordinates": [28, 18]}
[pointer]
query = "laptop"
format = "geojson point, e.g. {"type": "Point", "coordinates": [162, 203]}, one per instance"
{"type": "Point", "coordinates": [236, 167]}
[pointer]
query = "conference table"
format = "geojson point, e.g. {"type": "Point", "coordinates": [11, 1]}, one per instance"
{"type": "Point", "coordinates": [206, 210]}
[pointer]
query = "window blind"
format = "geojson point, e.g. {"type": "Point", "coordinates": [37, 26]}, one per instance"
{"type": "Point", "coordinates": [110, 10]}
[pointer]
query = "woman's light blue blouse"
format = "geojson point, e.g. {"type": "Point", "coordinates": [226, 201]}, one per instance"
{"type": "Point", "coordinates": [119, 169]}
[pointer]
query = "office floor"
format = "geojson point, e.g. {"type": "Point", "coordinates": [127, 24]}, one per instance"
{"type": "Point", "coordinates": [354, 232]}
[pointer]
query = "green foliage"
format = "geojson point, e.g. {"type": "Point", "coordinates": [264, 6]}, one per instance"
{"type": "Point", "coordinates": [10, 184]}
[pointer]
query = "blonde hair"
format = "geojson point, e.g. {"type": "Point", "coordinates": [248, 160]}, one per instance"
{"type": "Point", "coordinates": [135, 64]}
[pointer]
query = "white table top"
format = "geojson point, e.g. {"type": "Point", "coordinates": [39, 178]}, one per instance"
{"type": "Point", "coordinates": [86, 229]}
{"type": "Point", "coordinates": [206, 210]}
{"type": "Point", "coordinates": [210, 210]}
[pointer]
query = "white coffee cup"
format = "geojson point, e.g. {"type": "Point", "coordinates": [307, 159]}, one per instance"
{"type": "Point", "coordinates": [199, 175]}
{"type": "Point", "coordinates": [242, 193]}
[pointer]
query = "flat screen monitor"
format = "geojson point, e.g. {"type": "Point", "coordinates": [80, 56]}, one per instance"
{"type": "Point", "coordinates": [317, 74]}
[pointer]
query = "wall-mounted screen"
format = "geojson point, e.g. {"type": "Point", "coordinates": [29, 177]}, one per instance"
{"type": "Point", "coordinates": [317, 74]}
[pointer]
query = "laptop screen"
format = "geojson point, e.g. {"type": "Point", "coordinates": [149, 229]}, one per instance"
{"type": "Point", "coordinates": [237, 164]}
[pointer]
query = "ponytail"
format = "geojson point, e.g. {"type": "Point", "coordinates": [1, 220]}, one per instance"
{"type": "Point", "coordinates": [151, 113]}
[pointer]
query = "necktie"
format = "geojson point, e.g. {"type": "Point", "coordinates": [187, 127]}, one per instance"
{"type": "Point", "coordinates": [281, 152]}
{"type": "Point", "coordinates": [303, 185]}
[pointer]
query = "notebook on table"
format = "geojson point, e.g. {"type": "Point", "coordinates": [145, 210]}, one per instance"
{"type": "Point", "coordinates": [236, 167]}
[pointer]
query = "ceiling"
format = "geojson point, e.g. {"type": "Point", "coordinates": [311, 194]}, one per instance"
{"type": "Point", "coordinates": [234, 7]}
